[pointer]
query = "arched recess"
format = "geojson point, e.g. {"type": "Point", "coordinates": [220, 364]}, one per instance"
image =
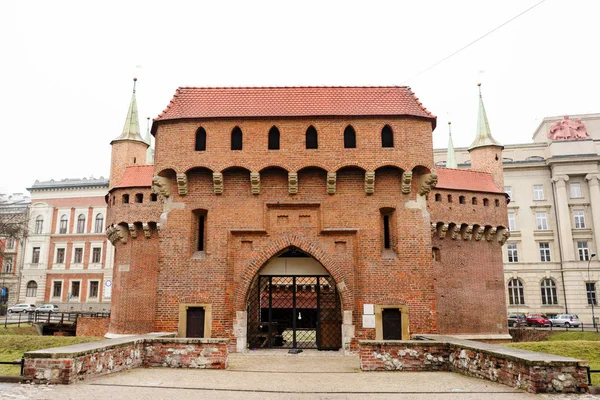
{"type": "Point", "coordinates": [199, 179]}
{"type": "Point", "coordinates": [388, 177]}
{"type": "Point", "coordinates": [236, 180]}
{"type": "Point", "coordinates": [278, 247]}
{"type": "Point", "coordinates": [312, 179]}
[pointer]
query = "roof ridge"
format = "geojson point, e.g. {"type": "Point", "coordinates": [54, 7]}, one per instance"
{"type": "Point", "coordinates": [295, 87]}
{"type": "Point", "coordinates": [464, 170]}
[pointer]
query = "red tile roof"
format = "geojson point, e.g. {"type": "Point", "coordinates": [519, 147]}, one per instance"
{"type": "Point", "coordinates": [461, 179]}
{"type": "Point", "coordinates": [136, 176]}
{"type": "Point", "coordinates": [194, 102]}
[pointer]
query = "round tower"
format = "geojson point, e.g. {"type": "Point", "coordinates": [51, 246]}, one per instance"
{"type": "Point", "coordinates": [129, 148]}
{"type": "Point", "coordinates": [485, 151]}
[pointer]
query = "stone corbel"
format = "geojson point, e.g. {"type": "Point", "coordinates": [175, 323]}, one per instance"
{"type": "Point", "coordinates": [255, 182]}
{"type": "Point", "coordinates": [433, 228]}
{"type": "Point", "coordinates": [442, 230]}
{"type": "Point", "coordinates": [560, 180]}
{"type": "Point", "coordinates": [292, 182]}
{"type": "Point", "coordinates": [110, 234]}
{"type": "Point", "coordinates": [121, 234]}
{"type": "Point", "coordinates": [370, 182]}
{"type": "Point", "coordinates": [479, 233]}
{"type": "Point", "coordinates": [455, 232]}
{"type": "Point", "coordinates": [218, 182]}
{"type": "Point", "coordinates": [406, 181]}
{"type": "Point", "coordinates": [161, 185]}
{"type": "Point", "coordinates": [147, 231]}
{"type": "Point", "coordinates": [182, 184]}
{"type": "Point", "coordinates": [490, 233]}
{"type": "Point", "coordinates": [427, 182]}
{"type": "Point", "coordinates": [132, 230]}
{"type": "Point", "coordinates": [331, 181]}
{"type": "Point", "coordinates": [467, 232]}
{"type": "Point", "coordinates": [502, 236]}
{"type": "Point", "coordinates": [593, 179]}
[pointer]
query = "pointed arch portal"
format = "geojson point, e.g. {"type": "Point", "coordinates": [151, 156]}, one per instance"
{"type": "Point", "coordinates": [293, 303]}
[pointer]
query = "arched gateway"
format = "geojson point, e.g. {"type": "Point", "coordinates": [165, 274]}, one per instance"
{"type": "Point", "coordinates": [293, 303]}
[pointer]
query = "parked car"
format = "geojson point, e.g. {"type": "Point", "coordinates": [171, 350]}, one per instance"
{"type": "Point", "coordinates": [566, 320]}
{"type": "Point", "coordinates": [49, 308]}
{"type": "Point", "coordinates": [516, 319]}
{"type": "Point", "coordinates": [17, 308]}
{"type": "Point", "coordinates": [538, 320]}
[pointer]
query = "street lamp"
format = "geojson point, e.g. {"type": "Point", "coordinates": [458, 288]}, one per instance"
{"type": "Point", "coordinates": [592, 298]}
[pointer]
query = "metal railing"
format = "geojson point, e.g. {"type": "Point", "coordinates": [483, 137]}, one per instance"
{"type": "Point", "coordinates": [589, 374]}
{"type": "Point", "coordinates": [22, 364]}
{"type": "Point", "coordinates": [581, 327]}
{"type": "Point", "coordinates": [55, 318]}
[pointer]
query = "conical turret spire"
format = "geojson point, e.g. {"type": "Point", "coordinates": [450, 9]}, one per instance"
{"type": "Point", "coordinates": [484, 135]}
{"type": "Point", "coordinates": [451, 155]}
{"type": "Point", "coordinates": [150, 150]}
{"type": "Point", "coordinates": [131, 130]}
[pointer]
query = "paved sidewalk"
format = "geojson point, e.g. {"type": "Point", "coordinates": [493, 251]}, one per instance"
{"type": "Point", "coordinates": [270, 376]}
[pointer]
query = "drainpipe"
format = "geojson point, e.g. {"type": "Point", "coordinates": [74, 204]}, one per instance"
{"type": "Point", "coordinates": [560, 255]}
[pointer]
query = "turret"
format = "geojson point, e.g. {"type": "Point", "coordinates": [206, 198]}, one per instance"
{"type": "Point", "coordinates": [129, 148]}
{"type": "Point", "coordinates": [451, 155]}
{"type": "Point", "coordinates": [486, 152]}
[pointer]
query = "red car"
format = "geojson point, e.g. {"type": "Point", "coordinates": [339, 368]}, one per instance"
{"type": "Point", "coordinates": [538, 320]}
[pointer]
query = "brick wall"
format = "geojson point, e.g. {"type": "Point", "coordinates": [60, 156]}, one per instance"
{"type": "Point", "coordinates": [534, 372]}
{"type": "Point", "coordinates": [70, 364]}
{"type": "Point", "coordinates": [87, 326]}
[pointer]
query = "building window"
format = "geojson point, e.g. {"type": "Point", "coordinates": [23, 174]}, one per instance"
{"type": "Point", "coordinates": [94, 286]}
{"type": "Point", "coordinates": [486, 202]}
{"type": "Point", "coordinates": [81, 223]}
{"type": "Point", "coordinates": [200, 139]}
{"type": "Point", "coordinates": [31, 289]}
{"type": "Point", "coordinates": [10, 243]}
{"type": "Point", "coordinates": [39, 224]}
{"type": "Point", "coordinates": [449, 198]}
{"type": "Point", "coordinates": [35, 256]}
{"type": "Point", "coordinates": [579, 217]}
{"type": "Point", "coordinates": [236, 139]}
{"type": "Point", "coordinates": [387, 137]}
{"type": "Point", "coordinates": [63, 224]}
{"type": "Point", "coordinates": [515, 292]}
{"type": "Point", "coordinates": [78, 257]}
{"type": "Point", "coordinates": [549, 296]}
{"type": "Point", "coordinates": [312, 138]}
{"type": "Point", "coordinates": [541, 220]}
{"type": "Point", "coordinates": [139, 198]}
{"type": "Point", "coordinates": [60, 256]}
{"type": "Point", "coordinates": [349, 138]}
{"type": "Point", "coordinates": [75, 286]}
{"type": "Point", "coordinates": [99, 223]}
{"type": "Point", "coordinates": [274, 138]}
{"type": "Point", "coordinates": [201, 228]}
{"type": "Point", "coordinates": [508, 191]}
{"type": "Point", "coordinates": [575, 189]}
{"type": "Point", "coordinates": [438, 197]}
{"type": "Point", "coordinates": [461, 199]}
{"type": "Point", "coordinates": [512, 223]}
{"type": "Point", "coordinates": [590, 288]}
{"type": "Point", "coordinates": [435, 254]}
{"type": "Point", "coordinates": [125, 199]}
{"type": "Point", "coordinates": [153, 197]}
{"type": "Point", "coordinates": [583, 250]}
{"type": "Point", "coordinates": [57, 289]}
{"type": "Point", "coordinates": [96, 253]}
{"type": "Point", "coordinates": [8, 264]}
{"type": "Point", "coordinates": [386, 231]}
{"type": "Point", "coordinates": [545, 252]}
{"type": "Point", "coordinates": [538, 192]}
{"type": "Point", "coordinates": [497, 203]}
{"type": "Point", "coordinates": [474, 201]}
{"type": "Point", "coordinates": [513, 255]}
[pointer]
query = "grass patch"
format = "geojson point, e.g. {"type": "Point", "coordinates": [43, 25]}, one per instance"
{"type": "Point", "coordinates": [13, 345]}
{"type": "Point", "coordinates": [564, 336]}
{"type": "Point", "coordinates": [588, 350]}
{"type": "Point", "coordinates": [15, 330]}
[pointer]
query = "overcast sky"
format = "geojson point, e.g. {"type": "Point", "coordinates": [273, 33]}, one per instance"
{"type": "Point", "coordinates": [67, 67]}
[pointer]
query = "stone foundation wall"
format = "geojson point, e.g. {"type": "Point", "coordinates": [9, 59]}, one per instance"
{"type": "Point", "coordinates": [65, 365]}
{"type": "Point", "coordinates": [87, 326]}
{"type": "Point", "coordinates": [530, 371]}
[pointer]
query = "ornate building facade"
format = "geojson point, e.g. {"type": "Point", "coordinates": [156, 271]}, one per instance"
{"type": "Point", "coordinates": [554, 217]}
{"type": "Point", "coordinates": [68, 260]}
{"type": "Point", "coordinates": [302, 217]}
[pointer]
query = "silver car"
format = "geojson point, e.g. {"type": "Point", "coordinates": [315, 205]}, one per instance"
{"type": "Point", "coordinates": [23, 307]}
{"type": "Point", "coordinates": [566, 320]}
{"type": "Point", "coordinates": [49, 308]}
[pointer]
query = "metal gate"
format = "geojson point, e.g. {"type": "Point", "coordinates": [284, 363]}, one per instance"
{"type": "Point", "coordinates": [300, 312]}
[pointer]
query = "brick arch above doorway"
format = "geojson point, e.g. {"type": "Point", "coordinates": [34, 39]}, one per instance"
{"type": "Point", "coordinates": [280, 245]}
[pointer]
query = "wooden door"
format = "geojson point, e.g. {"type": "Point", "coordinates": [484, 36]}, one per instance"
{"type": "Point", "coordinates": [195, 322]}
{"type": "Point", "coordinates": [392, 324]}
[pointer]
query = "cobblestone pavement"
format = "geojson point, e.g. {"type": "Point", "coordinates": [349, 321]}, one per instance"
{"type": "Point", "coordinates": [276, 376]}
